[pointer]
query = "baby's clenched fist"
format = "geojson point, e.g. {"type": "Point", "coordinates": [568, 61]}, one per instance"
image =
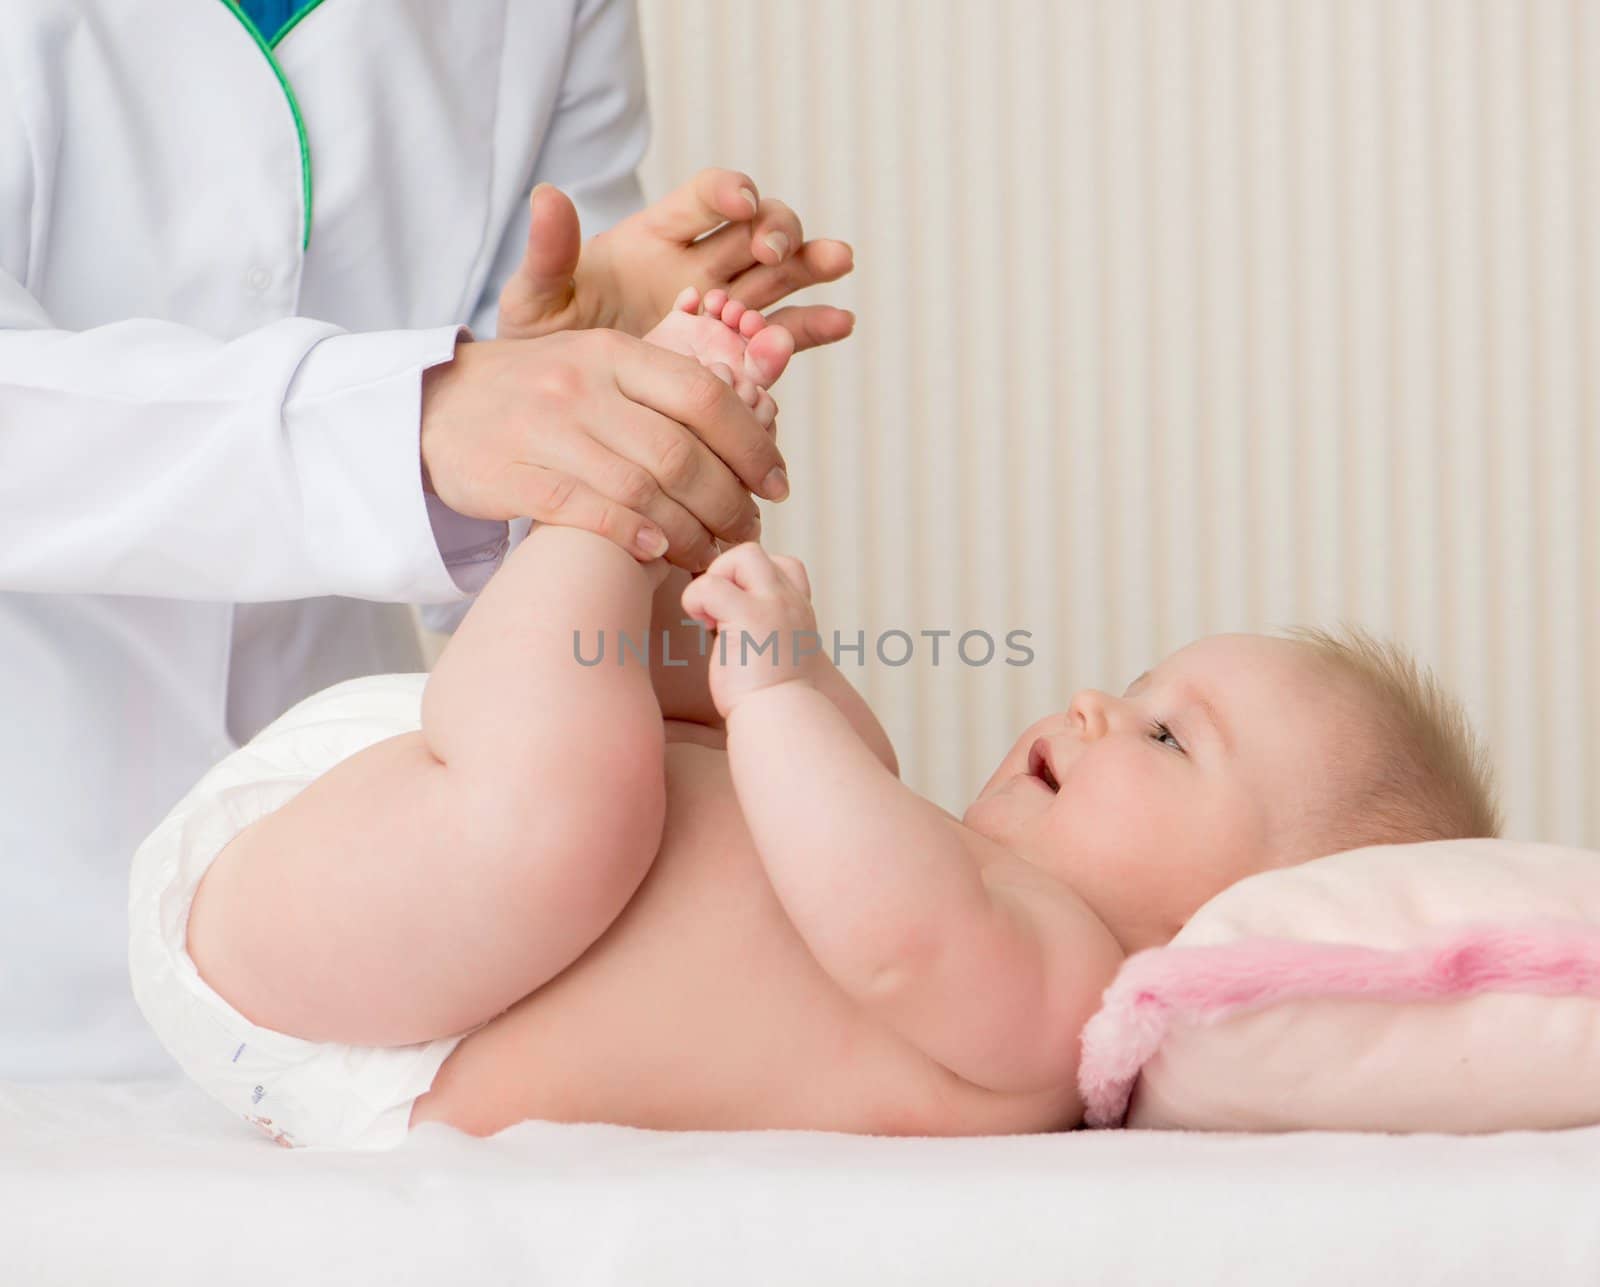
{"type": "Point", "coordinates": [759, 605]}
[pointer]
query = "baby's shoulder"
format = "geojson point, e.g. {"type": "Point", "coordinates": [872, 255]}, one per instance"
{"type": "Point", "coordinates": [1048, 896]}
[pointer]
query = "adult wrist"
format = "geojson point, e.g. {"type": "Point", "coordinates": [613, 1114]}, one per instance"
{"type": "Point", "coordinates": [438, 378]}
{"type": "Point", "coordinates": [471, 548]}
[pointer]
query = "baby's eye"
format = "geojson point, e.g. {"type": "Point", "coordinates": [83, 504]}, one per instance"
{"type": "Point", "coordinates": [1162, 734]}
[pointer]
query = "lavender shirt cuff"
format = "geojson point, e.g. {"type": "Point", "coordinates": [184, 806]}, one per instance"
{"type": "Point", "coordinates": [471, 548]}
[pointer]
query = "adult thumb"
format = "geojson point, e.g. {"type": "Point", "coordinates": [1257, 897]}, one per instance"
{"type": "Point", "coordinates": [543, 284]}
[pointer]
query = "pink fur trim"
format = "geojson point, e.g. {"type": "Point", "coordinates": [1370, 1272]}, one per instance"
{"type": "Point", "coordinates": [1163, 986]}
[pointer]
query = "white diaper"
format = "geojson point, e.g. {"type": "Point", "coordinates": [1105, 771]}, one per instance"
{"type": "Point", "coordinates": [301, 1093]}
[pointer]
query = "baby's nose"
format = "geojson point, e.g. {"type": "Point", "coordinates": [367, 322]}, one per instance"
{"type": "Point", "coordinates": [1090, 713]}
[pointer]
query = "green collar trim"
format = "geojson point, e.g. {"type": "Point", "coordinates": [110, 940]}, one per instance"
{"type": "Point", "coordinates": [296, 21]}
{"type": "Point", "coordinates": [294, 106]}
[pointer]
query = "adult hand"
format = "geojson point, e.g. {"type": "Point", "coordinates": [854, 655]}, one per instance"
{"type": "Point", "coordinates": [598, 430]}
{"type": "Point", "coordinates": [715, 232]}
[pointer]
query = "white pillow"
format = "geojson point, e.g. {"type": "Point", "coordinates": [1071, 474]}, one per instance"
{"type": "Point", "coordinates": [1451, 986]}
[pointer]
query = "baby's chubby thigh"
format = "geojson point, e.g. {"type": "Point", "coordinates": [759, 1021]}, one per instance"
{"type": "Point", "coordinates": [568, 767]}
{"type": "Point", "coordinates": [422, 884]}
{"type": "Point", "coordinates": [589, 830]}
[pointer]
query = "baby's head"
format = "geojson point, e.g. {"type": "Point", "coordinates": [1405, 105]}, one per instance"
{"type": "Point", "coordinates": [1235, 755]}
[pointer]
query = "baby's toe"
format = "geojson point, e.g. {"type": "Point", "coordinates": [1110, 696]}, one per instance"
{"type": "Point", "coordinates": [716, 301]}
{"type": "Point", "coordinates": [688, 301]}
{"type": "Point", "coordinates": [768, 353]}
{"type": "Point", "coordinates": [751, 322]}
{"type": "Point", "coordinates": [732, 311]}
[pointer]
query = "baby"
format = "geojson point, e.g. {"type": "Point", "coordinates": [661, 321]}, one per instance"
{"type": "Point", "coordinates": [698, 896]}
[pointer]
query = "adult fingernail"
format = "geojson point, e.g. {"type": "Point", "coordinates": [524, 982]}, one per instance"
{"type": "Point", "coordinates": [651, 541]}
{"type": "Point", "coordinates": [779, 243]}
{"type": "Point", "coordinates": [751, 198]}
{"type": "Point", "coordinates": [775, 486]}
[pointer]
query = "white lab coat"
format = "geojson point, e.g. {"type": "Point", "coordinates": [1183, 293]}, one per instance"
{"type": "Point", "coordinates": [208, 428]}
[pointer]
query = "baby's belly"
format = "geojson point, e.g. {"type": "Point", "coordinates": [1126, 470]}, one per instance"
{"type": "Point", "coordinates": [701, 1008]}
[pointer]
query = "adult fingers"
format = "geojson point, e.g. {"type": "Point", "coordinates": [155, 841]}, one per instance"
{"type": "Point", "coordinates": [813, 325]}
{"type": "Point", "coordinates": [542, 283]}
{"type": "Point", "coordinates": [710, 199]}
{"type": "Point", "coordinates": [553, 496]}
{"type": "Point", "coordinates": [777, 232]}
{"type": "Point", "coordinates": [611, 463]}
{"type": "Point", "coordinates": [682, 390]}
{"type": "Point", "coordinates": [725, 254]}
{"type": "Point", "coordinates": [813, 262]}
{"type": "Point", "coordinates": [661, 461]}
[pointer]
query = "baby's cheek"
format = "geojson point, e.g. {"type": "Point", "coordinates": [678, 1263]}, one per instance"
{"type": "Point", "coordinates": [1110, 801]}
{"type": "Point", "coordinates": [1213, 850]}
{"type": "Point", "coordinates": [1110, 782]}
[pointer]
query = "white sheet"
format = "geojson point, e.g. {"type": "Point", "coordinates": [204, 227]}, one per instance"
{"type": "Point", "coordinates": [151, 1182]}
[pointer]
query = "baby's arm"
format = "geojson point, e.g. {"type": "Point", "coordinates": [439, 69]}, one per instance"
{"type": "Point", "coordinates": [984, 963]}
{"type": "Point", "coordinates": [684, 689]}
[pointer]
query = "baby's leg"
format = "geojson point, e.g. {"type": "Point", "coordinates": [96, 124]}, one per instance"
{"type": "Point", "coordinates": [423, 885]}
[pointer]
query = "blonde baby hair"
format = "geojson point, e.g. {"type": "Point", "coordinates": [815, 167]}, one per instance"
{"type": "Point", "coordinates": [1426, 775]}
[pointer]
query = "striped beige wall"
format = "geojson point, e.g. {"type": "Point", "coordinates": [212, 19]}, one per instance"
{"type": "Point", "coordinates": [1185, 316]}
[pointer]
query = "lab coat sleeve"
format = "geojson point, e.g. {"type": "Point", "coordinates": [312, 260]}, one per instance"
{"type": "Point", "coordinates": [147, 458]}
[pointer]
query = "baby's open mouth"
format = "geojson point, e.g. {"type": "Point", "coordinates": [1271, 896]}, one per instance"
{"type": "Point", "coordinates": [1039, 765]}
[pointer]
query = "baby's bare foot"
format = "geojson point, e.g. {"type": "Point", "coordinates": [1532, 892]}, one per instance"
{"type": "Point", "coordinates": [735, 342]}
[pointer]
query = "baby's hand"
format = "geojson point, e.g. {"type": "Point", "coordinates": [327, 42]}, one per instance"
{"type": "Point", "coordinates": [759, 604]}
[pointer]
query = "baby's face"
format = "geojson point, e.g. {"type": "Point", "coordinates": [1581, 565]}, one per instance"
{"type": "Point", "coordinates": [1208, 769]}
